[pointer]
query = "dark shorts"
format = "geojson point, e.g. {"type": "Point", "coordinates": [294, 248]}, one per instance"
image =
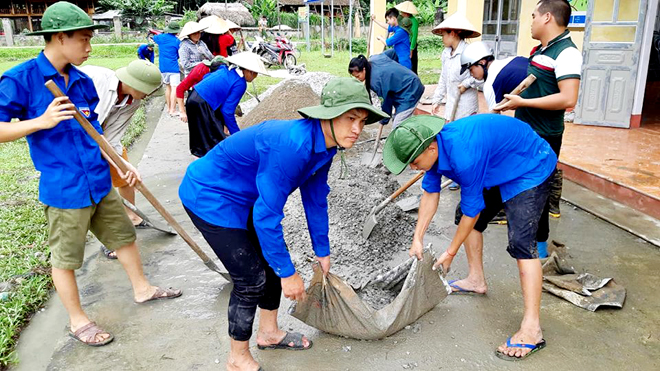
{"type": "Point", "coordinates": [523, 212]}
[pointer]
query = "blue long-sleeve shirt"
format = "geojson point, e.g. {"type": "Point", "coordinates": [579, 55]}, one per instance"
{"type": "Point", "coordinates": [488, 150]}
{"type": "Point", "coordinates": [257, 169]}
{"type": "Point", "coordinates": [143, 52]}
{"type": "Point", "coordinates": [73, 172]}
{"type": "Point", "coordinates": [223, 88]}
{"type": "Point", "coordinates": [400, 41]}
{"type": "Point", "coordinates": [397, 85]}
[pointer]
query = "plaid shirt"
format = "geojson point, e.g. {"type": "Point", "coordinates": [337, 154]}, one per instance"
{"type": "Point", "coordinates": [191, 54]}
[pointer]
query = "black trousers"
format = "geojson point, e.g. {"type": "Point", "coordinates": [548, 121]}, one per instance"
{"type": "Point", "coordinates": [414, 60]}
{"type": "Point", "coordinates": [255, 282]}
{"type": "Point", "coordinates": [206, 126]}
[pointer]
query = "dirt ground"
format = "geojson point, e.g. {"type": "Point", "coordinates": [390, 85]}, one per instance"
{"type": "Point", "coordinates": [462, 332]}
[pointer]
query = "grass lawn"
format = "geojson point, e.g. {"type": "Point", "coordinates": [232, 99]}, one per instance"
{"type": "Point", "coordinates": [23, 239]}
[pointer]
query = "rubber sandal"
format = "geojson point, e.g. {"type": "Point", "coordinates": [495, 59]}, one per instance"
{"type": "Point", "coordinates": [291, 337]}
{"type": "Point", "coordinates": [461, 291]}
{"type": "Point", "coordinates": [89, 331]}
{"type": "Point", "coordinates": [534, 348]}
{"type": "Point", "coordinates": [110, 254]}
{"type": "Point", "coordinates": [162, 293]}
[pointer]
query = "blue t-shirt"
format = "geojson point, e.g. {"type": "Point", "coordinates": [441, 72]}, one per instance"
{"type": "Point", "coordinates": [168, 52]}
{"type": "Point", "coordinates": [257, 169]}
{"type": "Point", "coordinates": [73, 172]}
{"type": "Point", "coordinates": [143, 52]}
{"type": "Point", "coordinates": [400, 42]}
{"type": "Point", "coordinates": [223, 88]}
{"type": "Point", "coordinates": [488, 150]}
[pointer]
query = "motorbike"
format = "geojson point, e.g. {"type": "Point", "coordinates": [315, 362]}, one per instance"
{"type": "Point", "coordinates": [283, 53]}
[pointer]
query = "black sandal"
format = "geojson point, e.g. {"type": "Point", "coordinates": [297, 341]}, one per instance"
{"type": "Point", "coordinates": [110, 254]}
{"type": "Point", "coordinates": [294, 338]}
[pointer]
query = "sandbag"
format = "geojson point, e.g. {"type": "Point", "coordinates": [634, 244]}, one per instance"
{"type": "Point", "coordinates": [335, 307]}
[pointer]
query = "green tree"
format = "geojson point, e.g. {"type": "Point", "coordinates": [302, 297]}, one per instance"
{"type": "Point", "coordinates": [259, 8]}
{"type": "Point", "coordinates": [139, 8]}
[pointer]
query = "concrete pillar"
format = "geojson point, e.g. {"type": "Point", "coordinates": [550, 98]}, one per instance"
{"type": "Point", "coordinates": [117, 21]}
{"type": "Point", "coordinates": [9, 32]}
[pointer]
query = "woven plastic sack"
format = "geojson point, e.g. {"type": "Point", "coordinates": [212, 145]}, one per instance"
{"type": "Point", "coordinates": [334, 306]}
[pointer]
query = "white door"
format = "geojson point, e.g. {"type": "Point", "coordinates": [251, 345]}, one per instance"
{"type": "Point", "coordinates": [500, 26]}
{"type": "Point", "coordinates": [612, 39]}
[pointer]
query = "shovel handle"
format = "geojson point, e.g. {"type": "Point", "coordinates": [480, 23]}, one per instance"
{"type": "Point", "coordinates": [107, 148]}
{"type": "Point", "coordinates": [410, 182]}
{"type": "Point", "coordinates": [529, 80]}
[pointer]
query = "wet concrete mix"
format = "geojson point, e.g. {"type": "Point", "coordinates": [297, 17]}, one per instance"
{"type": "Point", "coordinates": [349, 202]}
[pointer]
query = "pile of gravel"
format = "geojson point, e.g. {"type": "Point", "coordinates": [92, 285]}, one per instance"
{"type": "Point", "coordinates": [282, 104]}
{"type": "Point", "coordinates": [349, 202]}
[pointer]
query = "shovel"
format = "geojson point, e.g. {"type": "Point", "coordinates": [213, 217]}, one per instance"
{"type": "Point", "coordinates": [147, 221]}
{"type": "Point", "coordinates": [371, 221]}
{"type": "Point", "coordinates": [110, 152]}
{"type": "Point", "coordinates": [373, 156]}
{"type": "Point", "coordinates": [529, 80]}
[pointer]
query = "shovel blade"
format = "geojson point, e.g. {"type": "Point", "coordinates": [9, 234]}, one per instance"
{"type": "Point", "coordinates": [369, 225]}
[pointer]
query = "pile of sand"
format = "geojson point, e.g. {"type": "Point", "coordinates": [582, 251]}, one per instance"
{"type": "Point", "coordinates": [282, 104]}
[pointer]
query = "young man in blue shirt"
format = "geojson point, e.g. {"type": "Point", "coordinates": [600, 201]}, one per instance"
{"type": "Point", "coordinates": [146, 52]}
{"type": "Point", "coordinates": [75, 179]}
{"type": "Point", "coordinates": [168, 62]}
{"type": "Point", "coordinates": [235, 196]}
{"type": "Point", "coordinates": [400, 39]}
{"type": "Point", "coordinates": [483, 152]}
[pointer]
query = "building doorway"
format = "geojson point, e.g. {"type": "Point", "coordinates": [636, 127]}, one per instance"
{"type": "Point", "coordinates": [500, 26]}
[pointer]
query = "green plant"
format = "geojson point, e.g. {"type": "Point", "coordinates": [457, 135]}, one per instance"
{"type": "Point", "coordinates": [139, 10]}
{"type": "Point", "coordinates": [262, 8]}
{"type": "Point", "coordinates": [426, 9]}
{"type": "Point", "coordinates": [189, 16]}
{"type": "Point", "coordinates": [289, 19]}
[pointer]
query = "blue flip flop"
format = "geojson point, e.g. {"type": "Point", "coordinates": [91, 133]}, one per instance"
{"type": "Point", "coordinates": [534, 348]}
{"type": "Point", "coordinates": [460, 290]}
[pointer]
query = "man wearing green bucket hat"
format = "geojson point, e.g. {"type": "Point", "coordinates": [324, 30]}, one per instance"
{"type": "Point", "coordinates": [120, 95]}
{"type": "Point", "coordinates": [75, 180]}
{"type": "Point", "coordinates": [235, 196]}
{"type": "Point", "coordinates": [483, 153]}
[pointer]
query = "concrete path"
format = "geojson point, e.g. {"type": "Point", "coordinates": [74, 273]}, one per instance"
{"type": "Point", "coordinates": [190, 333]}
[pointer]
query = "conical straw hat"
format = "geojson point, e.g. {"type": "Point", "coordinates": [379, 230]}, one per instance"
{"type": "Point", "coordinates": [407, 7]}
{"type": "Point", "coordinates": [249, 61]}
{"type": "Point", "coordinates": [214, 25]}
{"type": "Point", "coordinates": [190, 28]}
{"type": "Point", "coordinates": [231, 25]}
{"type": "Point", "coordinates": [457, 22]}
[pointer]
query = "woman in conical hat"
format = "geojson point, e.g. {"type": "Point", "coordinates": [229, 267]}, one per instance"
{"type": "Point", "coordinates": [192, 50]}
{"type": "Point", "coordinates": [454, 84]}
{"type": "Point", "coordinates": [212, 103]}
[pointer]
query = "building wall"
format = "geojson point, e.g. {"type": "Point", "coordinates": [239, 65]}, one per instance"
{"type": "Point", "coordinates": [474, 15]}
{"type": "Point", "coordinates": [474, 11]}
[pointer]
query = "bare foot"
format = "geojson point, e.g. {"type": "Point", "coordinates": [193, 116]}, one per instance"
{"type": "Point", "coordinates": [272, 338]}
{"type": "Point", "coordinates": [532, 337]}
{"type": "Point", "coordinates": [242, 362]}
{"type": "Point", "coordinates": [469, 285]}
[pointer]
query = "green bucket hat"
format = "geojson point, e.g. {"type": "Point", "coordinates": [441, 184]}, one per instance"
{"type": "Point", "coordinates": [64, 16]}
{"type": "Point", "coordinates": [216, 59]}
{"type": "Point", "coordinates": [408, 140]}
{"type": "Point", "coordinates": [141, 75]}
{"type": "Point", "coordinates": [173, 27]}
{"type": "Point", "coordinates": [406, 24]}
{"type": "Point", "coordinates": [341, 95]}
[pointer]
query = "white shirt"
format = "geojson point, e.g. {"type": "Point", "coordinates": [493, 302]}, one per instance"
{"type": "Point", "coordinates": [448, 85]}
{"type": "Point", "coordinates": [114, 116]}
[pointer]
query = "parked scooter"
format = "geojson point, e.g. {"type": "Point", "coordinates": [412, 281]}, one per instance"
{"type": "Point", "coordinates": [280, 54]}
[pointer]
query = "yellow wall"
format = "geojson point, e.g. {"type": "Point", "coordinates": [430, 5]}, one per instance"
{"type": "Point", "coordinates": [474, 11]}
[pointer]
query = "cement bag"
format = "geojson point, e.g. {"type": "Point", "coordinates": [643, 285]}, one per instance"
{"type": "Point", "coordinates": [334, 306]}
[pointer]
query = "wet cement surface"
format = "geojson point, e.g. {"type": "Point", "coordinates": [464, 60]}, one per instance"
{"type": "Point", "coordinates": [462, 332]}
